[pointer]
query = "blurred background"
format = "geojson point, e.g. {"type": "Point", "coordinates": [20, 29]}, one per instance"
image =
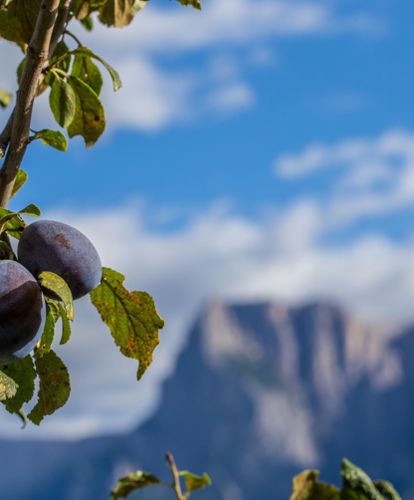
{"type": "Point", "coordinates": [257, 178]}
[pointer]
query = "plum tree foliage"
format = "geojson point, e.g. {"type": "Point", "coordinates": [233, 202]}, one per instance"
{"type": "Point", "coordinates": [356, 485]}
{"type": "Point", "coordinates": [55, 263]}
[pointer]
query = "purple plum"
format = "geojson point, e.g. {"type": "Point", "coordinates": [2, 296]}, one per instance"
{"type": "Point", "coordinates": [48, 245]}
{"type": "Point", "coordinates": [21, 303]}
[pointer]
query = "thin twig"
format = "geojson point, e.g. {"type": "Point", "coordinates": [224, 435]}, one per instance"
{"type": "Point", "coordinates": [60, 26]}
{"type": "Point", "coordinates": [176, 477]}
{"type": "Point", "coordinates": [74, 37]}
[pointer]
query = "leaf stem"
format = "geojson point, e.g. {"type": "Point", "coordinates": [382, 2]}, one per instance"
{"type": "Point", "coordinates": [176, 477]}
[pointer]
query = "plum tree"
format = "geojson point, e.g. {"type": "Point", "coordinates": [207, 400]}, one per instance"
{"type": "Point", "coordinates": [48, 245]}
{"type": "Point", "coordinates": [20, 308]}
{"type": "Point", "coordinates": [55, 263]}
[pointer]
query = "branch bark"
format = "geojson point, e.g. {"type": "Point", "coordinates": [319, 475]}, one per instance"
{"type": "Point", "coordinates": [36, 59]}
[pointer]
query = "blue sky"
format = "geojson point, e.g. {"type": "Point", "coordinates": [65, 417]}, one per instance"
{"type": "Point", "coordinates": [253, 153]}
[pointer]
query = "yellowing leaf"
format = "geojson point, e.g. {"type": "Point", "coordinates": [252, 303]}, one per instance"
{"type": "Point", "coordinates": [307, 487]}
{"type": "Point", "coordinates": [89, 119]}
{"type": "Point", "coordinates": [8, 387]}
{"type": "Point", "coordinates": [194, 482]}
{"type": "Point", "coordinates": [5, 98]}
{"type": "Point", "coordinates": [120, 13]}
{"type": "Point", "coordinates": [130, 316]}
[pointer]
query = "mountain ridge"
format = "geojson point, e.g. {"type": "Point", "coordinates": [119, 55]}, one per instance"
{"type": "Point", "coordinates": [260, 391]}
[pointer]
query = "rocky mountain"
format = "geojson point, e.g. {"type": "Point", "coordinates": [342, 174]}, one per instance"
{"type": "Point", "coordinates": [260, 392]}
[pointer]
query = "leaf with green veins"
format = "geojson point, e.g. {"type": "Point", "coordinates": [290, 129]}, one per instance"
{"type": "Point", "coordinates": [58, 286]}
{"type": "Point", "coordinates": [66, 329]}
{"type": "Point", "coordinates": [89, 119]}
{"type": "Point", "coordinates": [133, 481]}
{"type": "Point", "coordinates": [8, 387]}
{"type": "Point", "coordinates": [193, 3]}
{"type": "Point", "coordinates": [5, 98]}
{"type": "Point", "coordinates": [53, 138]}
{"type": "Point", "coordinates": [116, 80]}
{"type": "Point", "coordinates": [23, 373]}
{"type": "Point", "coordinates": [62, 101]}
{"type": "Point", "coordinates": [194, 482]}
{"type": "Point", "coordinates": [54, 386]}
{"type": "Point", "coordinates": [48, 334]}
{"type": "Point", "coordinates": [20, 180]}
{"type": "Point", "coordinates": [120, 13]}
{"type": "Point", "coordinates": [307, 487]}
{"type": "Point", "coordinates": [131, 317]}
{"type": "Point", "coordinates": [87, 71]}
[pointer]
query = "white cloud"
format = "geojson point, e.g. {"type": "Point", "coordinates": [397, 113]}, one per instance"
{"type": "Point", "coordinates": [234, 22]}
{"type": "Point", "coordinates": [154, 97]}
{"type": "Point", "coordinates": [374, 176]}
{"type": "Point", "coordinates": [217, 254]}
{"type": "Point", "coordinates": [232, 97]}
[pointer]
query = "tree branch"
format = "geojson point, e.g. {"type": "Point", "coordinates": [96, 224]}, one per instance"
{"type": "Point", "coordinates": [60, 25]}
{"type": "Point", "coordinates": [36, 58]}
{"type": "Point", "coordinates": [176, 477]}
{"type": "Point", "coordinates": [5, 135]}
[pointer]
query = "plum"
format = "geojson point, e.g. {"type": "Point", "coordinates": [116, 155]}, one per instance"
{"type": "Point", "coordinates": [21, 304]}
{"type": "Point", "coordinates": [48, 245]}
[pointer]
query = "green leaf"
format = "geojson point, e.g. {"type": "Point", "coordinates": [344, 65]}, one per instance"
{"type": "Point", "coordinates": [307, 487]}
{"type": "Point", "coordinates": [6, 252]}
{"type": "Point", "coordinates": [58, 287]}
{"type": "Point", "coordinates": [31, 209]}
{"type": "Point", "coordinates": [20, 180]}
{"type": "Point", "coordinates": [54, 386]}
{"type": "Point", "coordinates": [194, 482]}
{"type": "Point", "coordinates": [120, 13]}
{"type": "Point", "coordinates": [8, 387]}
{"type": "Point", "coordinates": [48, 334]}
{"type": "Point", "coordinates": [133, 481]}
{"type": "Point", "coordinates": [130, 316]}
{"type": "Point", "coordinates": [66, 329]}
{"type": "Point", "coordinates": [356, 481]}
{"type": "Point", "coordinates": [62, 101]}
{"type": "Point", "coordinates": [87, 23]}
{"type": "Point", "coordinates": [87, 71]}
{"type": "Point", "coordinates": [193, 3]}
{"type": "Point", "coordinates": [116, 80]}
{"type": "Point", "coordinates": [23, 373]}
{"type": "Point", "coordinates": [53, 138]}
{"type": "Point", "coordinates": [89, 119]}
{"type": "Point", "coordinates": [5, 98]}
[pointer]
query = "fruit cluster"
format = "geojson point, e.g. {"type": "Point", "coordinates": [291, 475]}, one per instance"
{"type": "Point", "coordinates": [44, 246]}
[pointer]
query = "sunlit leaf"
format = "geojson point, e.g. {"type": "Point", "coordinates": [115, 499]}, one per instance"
{"type": "Point", "coordinates": [130, 316]}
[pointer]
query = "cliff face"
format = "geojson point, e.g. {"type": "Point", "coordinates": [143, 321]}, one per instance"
{"type": "Point", "coordinates": [260, 392]}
